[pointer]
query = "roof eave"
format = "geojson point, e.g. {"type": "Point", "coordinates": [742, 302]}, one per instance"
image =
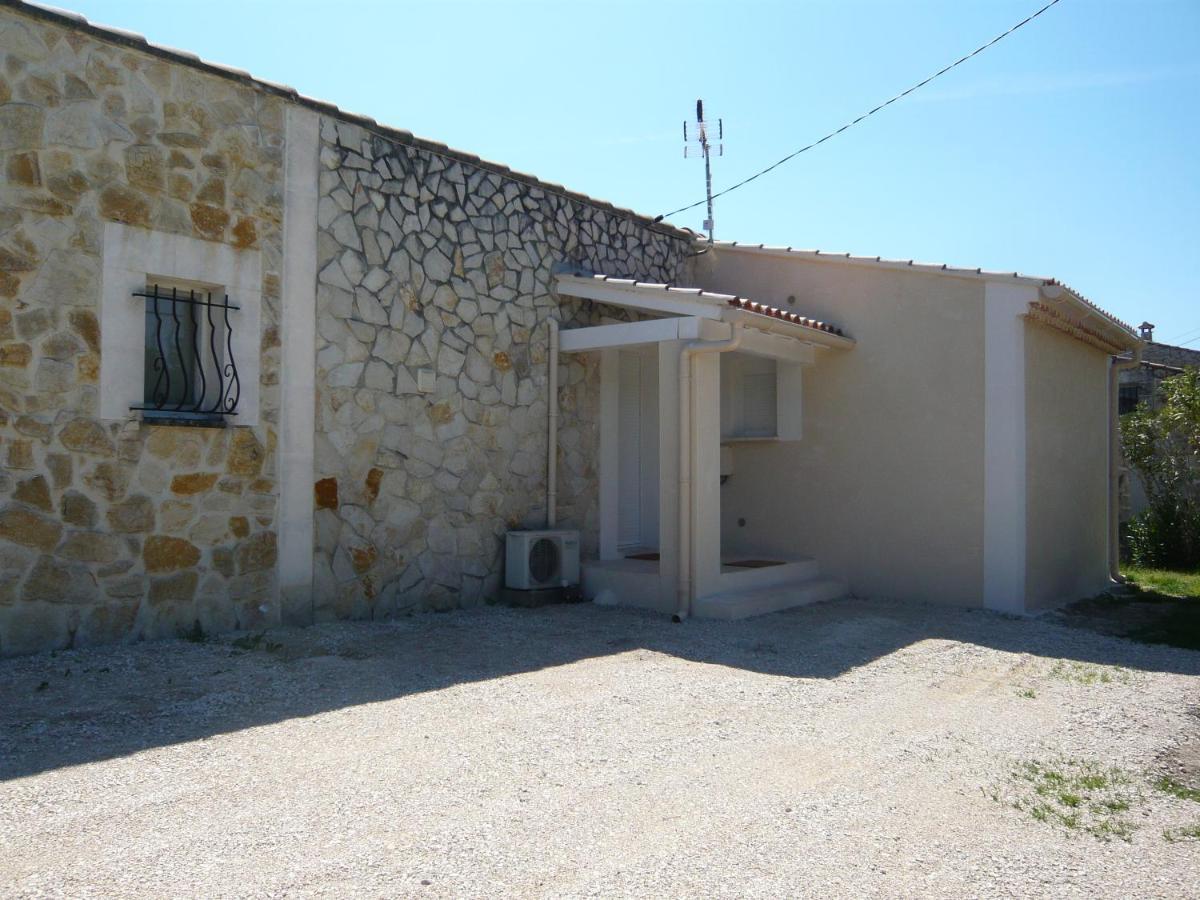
{"type": "Point", "coordinates": [1122, 334]}
{"type": "Point", "coordinates": [135, 41]}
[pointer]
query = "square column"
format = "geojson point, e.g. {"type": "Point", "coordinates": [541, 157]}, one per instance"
{"type": "Point", "coordinates": [668, 471]}
{"type": "Point", "coordinates": [706, 472]}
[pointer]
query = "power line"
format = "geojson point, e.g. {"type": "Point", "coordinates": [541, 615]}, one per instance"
{"type": "Point", "coordinates": [865, 115]}
{"type": "Point", "coordinates": [1187, 333]}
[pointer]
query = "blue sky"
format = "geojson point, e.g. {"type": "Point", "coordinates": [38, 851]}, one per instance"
{"type": "Point", "coordinates": [1071, 148]}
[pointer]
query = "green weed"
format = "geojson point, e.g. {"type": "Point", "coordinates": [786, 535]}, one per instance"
{"type": "Point", "coordinates": [1085, 673]}
{"type": "Point", "coordinates": [1169, 785]}
{"type": "Point", "coordinates": [1076, 795]}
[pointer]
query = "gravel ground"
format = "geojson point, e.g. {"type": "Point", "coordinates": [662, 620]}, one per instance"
{"type": "Point", "coordinates": [856, 748]}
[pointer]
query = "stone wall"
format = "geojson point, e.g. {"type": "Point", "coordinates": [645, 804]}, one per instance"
{"type": "Point", "coordinates": [1159, 361]}
{"type": "Point", "coordinates": [114, 529]}
{"type": "Point", "coordinates": [427, 262]}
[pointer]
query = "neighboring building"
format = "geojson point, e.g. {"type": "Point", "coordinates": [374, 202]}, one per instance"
{"type": "Point", "coordinates": [1140, 385]}
{"type": "Point", "coordinates": [351, 432]}
{"type": "Point", "coordinates": [1159, 361]}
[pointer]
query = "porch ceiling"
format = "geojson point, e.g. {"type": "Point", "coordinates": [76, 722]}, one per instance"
{"type": "Point", "coordinates": [668, 299]}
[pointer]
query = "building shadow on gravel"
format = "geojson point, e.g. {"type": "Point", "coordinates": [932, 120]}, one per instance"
{"type": "Point", "coordinates": [81, 706]}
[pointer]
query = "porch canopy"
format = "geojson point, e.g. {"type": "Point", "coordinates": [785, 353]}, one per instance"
{"type": "Point", "coordinates": [695, 374]}
{"type": "Point", "coordinates": [693, 313]}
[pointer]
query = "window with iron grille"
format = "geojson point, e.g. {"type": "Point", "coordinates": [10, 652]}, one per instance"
{"type": "Point", "coordinates": [1128, 396]}
{"type": "Point", "coordinates": [190, 373]}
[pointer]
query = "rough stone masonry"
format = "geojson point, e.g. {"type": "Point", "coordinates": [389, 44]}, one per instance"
{"type": "Point", "coordinates": [428, 259]}
{"type": "Point", "coordinates": [427, 263]}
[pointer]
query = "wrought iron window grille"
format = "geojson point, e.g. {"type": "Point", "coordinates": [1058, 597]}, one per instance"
{"type": "Point", "coordinates": [191, 375]}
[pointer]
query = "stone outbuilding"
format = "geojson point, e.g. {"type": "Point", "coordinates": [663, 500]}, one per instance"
{"type": "Point", "coordinates": [263, 361]}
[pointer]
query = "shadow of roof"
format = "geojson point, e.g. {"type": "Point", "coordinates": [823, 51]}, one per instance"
{"type": "Point", "coordinates": [82, 706]}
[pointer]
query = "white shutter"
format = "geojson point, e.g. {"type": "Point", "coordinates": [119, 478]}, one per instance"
{"type": "Point", "coordinates": [758, 397]}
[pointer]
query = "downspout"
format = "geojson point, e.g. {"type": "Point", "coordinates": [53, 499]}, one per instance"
{"type": "Point", "coordinates": [1114, 461]}
{"type": "Point", "coordinates": [686, 452]}
{"type": "Point", "coordinates": [552, 431]}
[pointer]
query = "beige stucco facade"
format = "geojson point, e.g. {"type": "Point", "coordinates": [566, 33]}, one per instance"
{"type": "Point", "coordinates": [1067, 463]}
{"type": "Point", "coordinates": [886, 486]}
{"type": "Point", "coordinates": [960, 452]}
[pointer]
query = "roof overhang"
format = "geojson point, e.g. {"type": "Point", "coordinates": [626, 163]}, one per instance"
{"type": "Point", "coordinates": [1058, 305]}
{"type": "Point", "coordinates": [1063, 309]}
{"type": "Point", "coordinates": [670, 300]}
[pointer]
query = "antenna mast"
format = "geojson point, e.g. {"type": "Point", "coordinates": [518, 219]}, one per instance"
{"type": "Point", "coordinates": [706, 149]}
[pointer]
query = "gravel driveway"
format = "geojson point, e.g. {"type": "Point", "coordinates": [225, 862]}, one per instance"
{"type": "Point", "coordinates": [856, 748]}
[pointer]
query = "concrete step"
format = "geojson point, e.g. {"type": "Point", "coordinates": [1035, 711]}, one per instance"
{"type": "Point", "coordinates": [773, 598]}
{"type": "Point", "coordinates": [741, 578]}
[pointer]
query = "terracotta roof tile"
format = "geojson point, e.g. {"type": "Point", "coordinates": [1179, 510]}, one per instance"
{"type": "Point", "coordinates": [776, 313]}
{"type": "Point", "coordinates": [743, 303]}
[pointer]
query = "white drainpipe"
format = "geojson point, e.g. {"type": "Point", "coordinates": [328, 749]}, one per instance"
{"type": "Point", "coordinates": [1114, 460]}
{"type": "Point", "coordinates": [686, 452]}
{"type": "Point", "coordinates": [552, 430]}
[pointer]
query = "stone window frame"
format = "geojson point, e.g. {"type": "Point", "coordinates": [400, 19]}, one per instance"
{"type": "Point", "coordinates": [135, 256]}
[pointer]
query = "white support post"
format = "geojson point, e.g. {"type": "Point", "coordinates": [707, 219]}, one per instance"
{"type": "Point", "coordinates": [668, 471]}
{"type": "Point", "coordinates": [609, 452]}
{"type": "Point", "coordinates": [1004, 513]}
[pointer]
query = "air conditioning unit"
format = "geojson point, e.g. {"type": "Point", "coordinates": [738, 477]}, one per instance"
{"type": "Point", "coordinates": [535, 560]}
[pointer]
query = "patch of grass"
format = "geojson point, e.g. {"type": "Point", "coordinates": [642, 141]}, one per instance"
{"type": "Point", "coordinates": [1169, 785]}
{"type": "Point", "coordinates": [1085, 673]}
{"type": "Point", "coordinates": [1178, 596]}
{"type": "Point", "coordinates": [1155, 606]}
{"type": "Point", "coordinates": [1182, 833]}
{"type": "Point", "coordinates": [1027, 693]}
{"type": "Point", "coordinates": [1075, 795]}
{"type": "Point", "coordinates": [256, 642]}
{"type": "Point", "coordinates": [1181, 585]}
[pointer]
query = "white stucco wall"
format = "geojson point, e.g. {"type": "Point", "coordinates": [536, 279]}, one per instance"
{"type": "Point", "coordinates": [886, 487]}
{"type": "Point", "coordinates": [1066, 387]}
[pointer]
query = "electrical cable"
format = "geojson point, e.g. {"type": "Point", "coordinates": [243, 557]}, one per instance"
{"type": "Point", "coordinates": [866, 115]}
{"type": "Point", "coordinates": [1186, 334]}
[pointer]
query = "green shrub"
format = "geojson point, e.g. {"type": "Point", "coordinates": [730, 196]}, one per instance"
{"type": "Point", "coordinates": [1163, 445]}
{"type": "Point", "coordinates": [1156, 540]}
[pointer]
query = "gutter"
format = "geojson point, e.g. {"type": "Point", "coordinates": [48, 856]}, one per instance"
{"type": "Point", "coordinates": [1116, 367]}
{"type": "Point", "coordinates": [552, 430]}
{"type": "Point", "coordinates": [686, 452]}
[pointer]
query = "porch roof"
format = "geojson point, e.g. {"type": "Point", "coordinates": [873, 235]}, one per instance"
{"type": "Point", "coordinates": [673, 299]}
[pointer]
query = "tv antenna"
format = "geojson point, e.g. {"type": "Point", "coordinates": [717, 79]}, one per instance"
{"type": "Point", "coordinates": [706, 149]}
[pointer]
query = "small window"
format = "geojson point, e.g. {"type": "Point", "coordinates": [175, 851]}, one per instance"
{"type": "Point", "coordinates": [1128, 397]}
{"type": "Point", "coordinates": [189, 370]}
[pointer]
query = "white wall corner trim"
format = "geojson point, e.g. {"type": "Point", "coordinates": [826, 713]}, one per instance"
{"type": "Point", "coordinates": [1004, 513]}
{"type": "Point", "coordinates": [298, 316]}
{"type": "Point", "coordinates": [135, 256]}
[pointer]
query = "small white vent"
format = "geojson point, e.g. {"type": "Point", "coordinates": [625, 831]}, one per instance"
{"type": "Point", "coordinates": [541, 559]}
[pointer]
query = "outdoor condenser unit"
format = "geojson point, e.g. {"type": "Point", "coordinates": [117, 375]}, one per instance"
{"type": "Point", "coordinates": [535, 560]}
